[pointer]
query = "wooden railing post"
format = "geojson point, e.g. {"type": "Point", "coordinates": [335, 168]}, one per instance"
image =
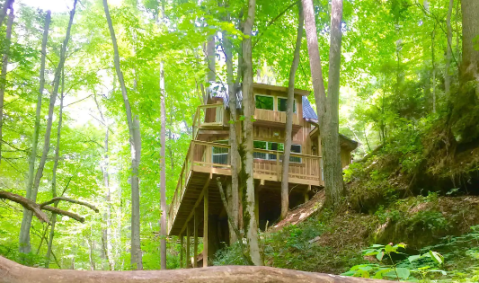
{"type": "Point", "coordinates": [205, 227]}
{"type": "Point", "coordinates": [195, 236]}
{"type": "Point", "coordinates": [188, 236]}
{"type": "Point", "coordinates": [181, 251]}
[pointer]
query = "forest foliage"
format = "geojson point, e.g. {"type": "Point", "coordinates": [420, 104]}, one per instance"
{"type": "Point", "coordinates": [402, 98]}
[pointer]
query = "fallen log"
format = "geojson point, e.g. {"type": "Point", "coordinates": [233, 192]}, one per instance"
{"type": "Point", "coordinates": [11, 272]}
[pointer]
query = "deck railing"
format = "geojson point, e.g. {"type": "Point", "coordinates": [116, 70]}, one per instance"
{"type": "Point", "coordinates": [210, 157]}
{"type": "Point", "coordinates": [274, 116]}
{"type": "Point", "coordinates": [209, 115]}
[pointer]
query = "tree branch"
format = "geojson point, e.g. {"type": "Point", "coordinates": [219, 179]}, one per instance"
{"type": "Point", "coordinates": [53, 200]}
{"type": "Point", "coordinates": [26, 203]}
{"type": "Point", "coordinates": [64, 212]}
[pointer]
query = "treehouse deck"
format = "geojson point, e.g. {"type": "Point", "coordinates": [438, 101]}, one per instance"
{"type": "Point", "coordinates": [200, 171]}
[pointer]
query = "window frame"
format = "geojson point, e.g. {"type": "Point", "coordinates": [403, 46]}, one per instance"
{"type": "Point", "coordinates": [272, 156]}
{"type": "Point", "coordinates": [265, 95]}
{"type": "Point", "coordinates": [295, 108]}
{"type": "Point", "coordinates": [213, 154]}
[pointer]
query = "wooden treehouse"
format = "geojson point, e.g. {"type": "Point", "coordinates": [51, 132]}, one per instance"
{"type": "Point", "coordinates": [197, 198]}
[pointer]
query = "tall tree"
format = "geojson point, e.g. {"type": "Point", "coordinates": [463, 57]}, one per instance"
{"type": "Point", "coordinates": [251, 224]}
{"type": "Point", "coordinates": [32, 192]}
{"type": "Point", "coordinates": [470, 40]}
{"type": "Point", "coordinates": [162, 158]}
{"type": "Point", "coordinates": [135, 150]}
{"type": "Point", "coordinates": [3, 75]}
{"type": "Point", "coordinates": [3, 12]}
{"type": "Point", "coordinates": [289, 116]}
{"type": "Point", "coordinates": [327, 106]}
{"type": "Point", "coordinates": [233, 136]}
{"type": "Point", "coordinates": [447, 76]}
{"type": "Point", "coordinates": [36, 130]}
{"type": "Point", "coordinates": [54, 174]}
{"type": "Point", "coordinates": [163, 168]}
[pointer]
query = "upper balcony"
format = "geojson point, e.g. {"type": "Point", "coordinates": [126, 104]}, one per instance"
{"type": "Point", "coordinates": [208, 117]}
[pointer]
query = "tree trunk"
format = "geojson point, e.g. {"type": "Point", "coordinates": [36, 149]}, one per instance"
{"type": "Point", "coordinates": [470, 33]}
{"type": "Point", "coordinates": [327, 107]}
{"type": "Point", "coordinates": [27, 215]}
{"type": "Point", "coordinates": [54, 174]}
{"type": "Point", "coordinates": [3, 75]}
{"type": "Point", "coordinates": [163, 169]}
{"type": "Point", "coordinates": [433, 60]}
{"type": "Point", "coordinates": [233, 136]}
{"type": "Point", "coordinates": [289, 117]}
{"type": "Point", "coordinates": [135, 149]}
{"type": "Point", "coordinates": [106, 233]}
{"type": "Point", "coordinates": [447, 76]}
{"type": "Point", "coordinates": [16, 273]}
{"type": "Point", "coordinates": [36, 131]}
{"type": "Point", "coordinates": [251, 225]}
{"type": "Point", "coordinates": [8, 4]}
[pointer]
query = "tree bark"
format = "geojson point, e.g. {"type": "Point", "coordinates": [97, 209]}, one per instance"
{"type": "Point", "coordinates": [233, 137]}
{"type": "Point", "coordinates": [36, 131]}
{"type": "Point", "coordinates": [8, 4]}
{"type": "Point", "coordinates": [433, 61]}
{"type": "Point", "coordinates": [16, 273]}
{"type": "Point", "coordinates": [3, 75]}
{"type": "Point", "coordinates": [163, 169]}
{"type": "Point", "coordinates": [106, 182]}
{"type": "Point", "coordinates": [289, 117]}
{"type": "Point", "coordinates": [327, 107]}
{"type": "Point", "coordinates": [54, 174]}
{"type": "Point", "coordinates": [447, 76]}
{"type": "Point", "coordinates": [251, 225]}
{"type": "Point", "coordinates": [27, 215]}
{"type": "Point", "coordinates": [470, 32]}
{"type": "Point", "coordinates": [135, 149]}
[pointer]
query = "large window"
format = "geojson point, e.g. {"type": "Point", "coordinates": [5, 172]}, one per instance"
{"type": "Point", "coordinates": [283, 104]}
{"type": "Point", "coordinates": [220, 154]}
{"type": "Point", "coordinates": [264, 102]}
{"type": "Point", "coordinates": [295, 148]}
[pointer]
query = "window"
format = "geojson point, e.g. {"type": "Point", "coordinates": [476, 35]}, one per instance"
{"type": "Point", "coordinates": [283, 104]}
{"type": "Point", "coordinates": [277, 147]}
{"type": "Point", "coordinates": [220, 154]}
{"type": "Point", "coordinates": [264, 102]}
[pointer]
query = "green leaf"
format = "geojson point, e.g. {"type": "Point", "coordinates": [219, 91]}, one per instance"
{"type": "Point", "coordinates": [403, 273]}
{"type": "Point", "coordinates": [438, 270]}
{"type": "Point", "coordinates": [437, 257]}
{"type": "Point", "coordinates": [389, 249]}
{"type": "Point", "coordinates": [413, 258]}
{"type": "Point", "coordinates": [380, 255]}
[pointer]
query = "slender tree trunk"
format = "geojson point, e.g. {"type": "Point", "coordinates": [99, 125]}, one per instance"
{"type": "Point", "coordinates": [470, 33]}
{"type": "Point", "coordinates": [135, 149]}
{"type": "Point", "coordinates": [54, 174]}
{"type": "Point", "coordinates": [36, 131]}
{"type": "Point", "coordinates": [233, 136]}
{"type": "Point", "coordinates": [328, 116]}
{"type": "Point", "coordinates": [251, 225]}
{"type": "Point", "coordinates": [27, 215]}
{"type": "Point", "coordinates": [163, 169]}
{"type": "Point", "coordinates": [433, 60]}
{"type": "Point", "coordinates": [3, 12]}
{"type": "Point", "coordinates": [447, 76]}
{"type": "Point", "coordinates": [3, 75]}
{"type": "Point", "coordinates": [289, 117]}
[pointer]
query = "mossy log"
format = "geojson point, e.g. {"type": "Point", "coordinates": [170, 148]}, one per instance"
{"type": "Point", "coordinates": [12, 272]}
